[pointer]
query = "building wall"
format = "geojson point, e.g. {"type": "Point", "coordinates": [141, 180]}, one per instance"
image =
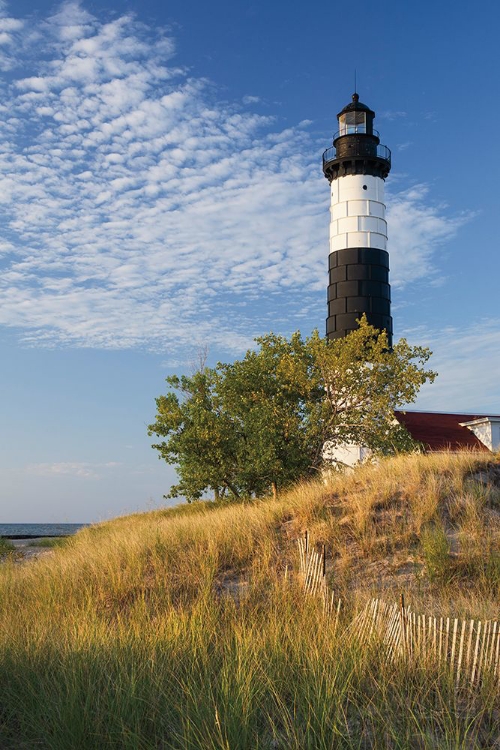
{"type": "Point", "coordinates": [487, 431]}
{"type": "Point", "coordinates": [347, 454]}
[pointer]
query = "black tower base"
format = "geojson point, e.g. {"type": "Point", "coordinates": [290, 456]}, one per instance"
{"type": "Point", "coordinates": [359, 283]}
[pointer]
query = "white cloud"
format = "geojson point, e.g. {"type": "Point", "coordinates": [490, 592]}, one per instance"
{"type": "Point", "coordinates": [137, 211]}
{"type": "Point", "coordinates": [251, 99]}
{"type": "Point", "coordinates": [71, 14]}
{"type": "Point", "coordinates": [11, 40]}
{"type": "Point", "coordinates": [417, 230]}
{"type": "Point", "coordinates": [78, 469]}
{"type": "Point", "coordinates": [468, 363]}
{"type": "Point", "coordinates": [392, 114]}
{"type": "Point", "coordinates": [10, 24]}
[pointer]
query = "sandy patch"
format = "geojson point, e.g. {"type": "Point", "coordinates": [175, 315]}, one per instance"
{"type": "Point", "coordinates": [27, 549]}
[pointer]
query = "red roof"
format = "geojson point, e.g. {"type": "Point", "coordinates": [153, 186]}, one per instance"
{"type": "Point", "coordinates": [440, 431]}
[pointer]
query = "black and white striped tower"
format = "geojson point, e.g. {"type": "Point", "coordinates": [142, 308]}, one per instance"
{"type": "Point", "coordinates": [356, 167]}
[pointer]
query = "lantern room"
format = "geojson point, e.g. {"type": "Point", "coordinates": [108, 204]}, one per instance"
{"type": "Point", "coordinates": [355, 118]}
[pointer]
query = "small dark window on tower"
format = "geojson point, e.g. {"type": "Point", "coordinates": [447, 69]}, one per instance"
{"type": "Point", "coordinates": [365, 187]}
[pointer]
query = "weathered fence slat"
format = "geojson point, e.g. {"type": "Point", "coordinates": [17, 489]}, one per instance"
{"type": "Point", "coordinates": [453, 642]}
{"type": "Point", "coordinates": [461, 649]}
{"type": "Point", "coordinates": [492, 645]}
{"type": "Point", "coordinates": [476, 650]}
{"type": "Point", "coordinates": [484, 648]}
{"type": "Point", "coordinates": [469, 644]}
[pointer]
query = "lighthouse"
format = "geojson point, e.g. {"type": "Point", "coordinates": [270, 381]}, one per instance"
{"type": "Point", "coordinates": [356, 166]}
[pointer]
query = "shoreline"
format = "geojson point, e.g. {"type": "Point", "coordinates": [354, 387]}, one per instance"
{"type": "Point", "coordinates": [27, 548]}
{"type": "Point", "coordinates": [20, 537]}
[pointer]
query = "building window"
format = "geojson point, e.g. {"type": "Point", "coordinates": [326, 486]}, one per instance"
{"type": "Point", "coordinates": [352, 122]}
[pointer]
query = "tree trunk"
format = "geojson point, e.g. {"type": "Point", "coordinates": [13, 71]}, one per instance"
{"type": "Point", "coordinates": [232, 489]}
{"type": "Point", "coordinates": [274, 488]}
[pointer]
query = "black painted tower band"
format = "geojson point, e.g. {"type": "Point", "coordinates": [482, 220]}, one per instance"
{"type": "Point", "coordinates": [358, 276]}
{"type": "Point", "coordinates": [358, 283]}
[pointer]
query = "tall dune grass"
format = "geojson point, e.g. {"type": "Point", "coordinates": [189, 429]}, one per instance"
{"type": "Point", "coordinates": [177, 629]}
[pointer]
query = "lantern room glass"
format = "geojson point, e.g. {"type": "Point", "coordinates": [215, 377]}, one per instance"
{"type": "Point", "coordinates": [352, 122]}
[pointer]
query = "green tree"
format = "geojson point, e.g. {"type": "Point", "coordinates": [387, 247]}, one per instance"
{"type": "Point", "coordinates": [260, 423]}
{"type": "Point", "coordinates": [364, 382]}
{"type": "Point", "coordinates": [199, 437]}
{"type": "Point", "coordinates": [271, 395]}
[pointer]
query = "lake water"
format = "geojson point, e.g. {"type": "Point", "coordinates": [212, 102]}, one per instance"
{"type": "Point", "coordinates": [31, 530]}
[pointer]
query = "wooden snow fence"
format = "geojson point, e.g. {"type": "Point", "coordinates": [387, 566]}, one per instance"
{"type": "Point", "coordinates": [468, 649]}
{"type": "Point", "coordinates": [312, 568]}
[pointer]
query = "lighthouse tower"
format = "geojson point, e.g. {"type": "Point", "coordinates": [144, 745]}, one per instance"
{"type": "Point", "coordinates": [356, 167]}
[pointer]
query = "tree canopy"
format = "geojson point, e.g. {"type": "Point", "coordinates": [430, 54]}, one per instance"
{"type": "Point", "coordinates": [256, 425]}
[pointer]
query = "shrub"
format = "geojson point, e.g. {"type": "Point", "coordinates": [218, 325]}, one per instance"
{"type": "Point", "coordinates": [436, 553]}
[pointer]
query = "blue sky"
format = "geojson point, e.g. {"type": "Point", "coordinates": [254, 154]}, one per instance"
{"type": "Point", "coordinates": [161, 190]}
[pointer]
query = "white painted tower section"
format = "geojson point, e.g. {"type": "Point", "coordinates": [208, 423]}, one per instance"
{"type": "Point", "coordinates": [357, 213]}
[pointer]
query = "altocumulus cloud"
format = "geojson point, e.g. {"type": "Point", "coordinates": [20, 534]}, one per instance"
{"type": "Point", "coordinates": [138, 210]}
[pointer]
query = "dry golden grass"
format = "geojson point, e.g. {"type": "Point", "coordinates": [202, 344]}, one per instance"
{"type": "Point", "coordinates": [173, 629]}
{"type": "Point", "coordinates": [375, 520]}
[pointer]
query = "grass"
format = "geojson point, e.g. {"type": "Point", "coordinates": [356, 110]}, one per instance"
{"type": "Point", "coordinates": [6, 547]}
{"type": "Point", "coordinates": [50, 542]}
{"type": "Point", "coordinates": [175, 628]}
{"type": "Point", "coordinates": [436, 551]}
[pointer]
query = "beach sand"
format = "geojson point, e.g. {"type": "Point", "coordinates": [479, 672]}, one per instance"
{"type": "Point", "coordinates": [29, 550]}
